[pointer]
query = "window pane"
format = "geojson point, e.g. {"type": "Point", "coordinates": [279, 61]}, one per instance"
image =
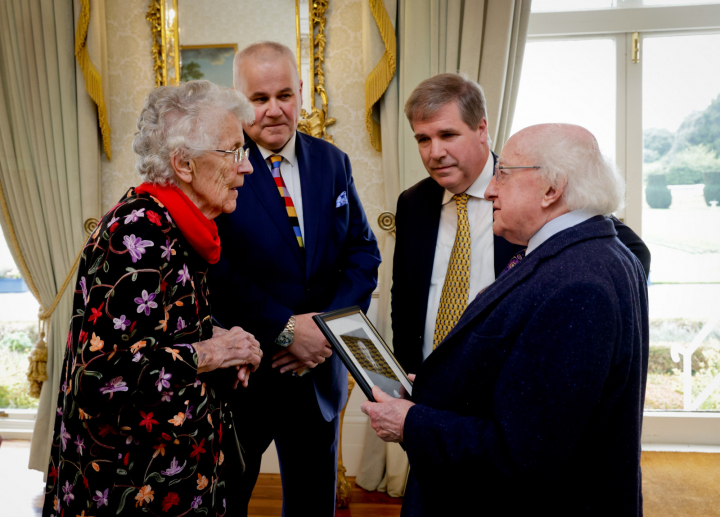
{"type": "Point", "coordinates": [681, 218]}
{"type": "Point", "coordinates": [678, 2]}
{"type": "Point", "coordinates": [18, 333]}
{"type": "Point", "coordinates": [570, 81]}
{"type": "Point", "coordinates": [539, 6]}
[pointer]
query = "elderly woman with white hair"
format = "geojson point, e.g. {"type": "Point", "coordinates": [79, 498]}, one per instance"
{"type": "Point", "coordinates": [140, 427]}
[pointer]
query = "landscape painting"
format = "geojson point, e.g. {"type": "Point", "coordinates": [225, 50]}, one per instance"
{"type": "Point", "coordinates": [211, 62]}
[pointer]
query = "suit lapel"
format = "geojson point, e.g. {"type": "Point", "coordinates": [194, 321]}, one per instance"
{"type": "Point", "coordinates": [597, 227]}
{"type": "Point", "coordinates": [426, 226]}
{"type": "Point", "coordinates": [263, 185]}
{"type": "Point", "coordinates": [313, 194]}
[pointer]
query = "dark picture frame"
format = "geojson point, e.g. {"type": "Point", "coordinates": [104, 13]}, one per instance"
{"type": "Point", "coordinates": [363, 351]}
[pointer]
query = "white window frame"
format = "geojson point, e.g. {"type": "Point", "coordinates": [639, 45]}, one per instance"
{"type": "Point", "coordinates": [662, 430]}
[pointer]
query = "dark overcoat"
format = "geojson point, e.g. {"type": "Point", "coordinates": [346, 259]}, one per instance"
{"type": "Point", "coordinates": [533, 403]}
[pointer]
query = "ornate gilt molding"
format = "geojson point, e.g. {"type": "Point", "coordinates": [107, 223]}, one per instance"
{"type": "Point", "coordinates": [162, 15]}
{"type": "Point", "coordinates": [344, 487]}
{"type": "Point", "coordinates": [386, 221]}
{"type": "Point", "coordinates": [316, 122]}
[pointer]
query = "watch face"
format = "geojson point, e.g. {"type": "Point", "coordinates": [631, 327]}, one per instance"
{"type": "Point", "coordinates": [285, 339]}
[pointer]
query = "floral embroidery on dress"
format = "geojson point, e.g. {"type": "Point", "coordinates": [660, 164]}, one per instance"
{"type": "Point", "coordinates": [134, 427]}
{"type": "Point", "coordinates": [136, 246]}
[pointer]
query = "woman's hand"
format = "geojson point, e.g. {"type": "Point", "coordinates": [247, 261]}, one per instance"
{"type": "Point", "coordinates": [228, 348]}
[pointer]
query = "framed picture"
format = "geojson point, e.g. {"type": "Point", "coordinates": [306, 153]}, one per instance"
{"type": "Point", "coordinates": [211, 62]}
{"type": "Point", "coordinates": [363, 351]}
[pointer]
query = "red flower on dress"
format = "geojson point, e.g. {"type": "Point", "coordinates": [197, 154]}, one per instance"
{"type": "Point", "coordinates": [54, 473]}
{"type": "Point", "coordinates": [220, 434]}
{"type": "Point", "coordinates": [106, 429]}
{"type": "Point", "coordinates": [86, 482]}
{"type": "Point", "coordinates": [83, 337]}
{"type": "Point", "coordinates": [153, 217]}
{"type": "Point", "coordinates": [171, 499]}
{"type": "Point", "coordinates": [148, 421]}
{"type": "Point", "coordinates": [96, 313]}
{"type": "Point", "coordinates": [126, 460]}
{"type": "Point", "coordinates": [166, 436]}
{"type": "Point", "coordinates": [198, 449]}
{"type": "Point", "coordinates": [114, 227]}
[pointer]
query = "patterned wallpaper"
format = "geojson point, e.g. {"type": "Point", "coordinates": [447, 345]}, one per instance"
{"type": "Point", "coordinates": [131, 78]}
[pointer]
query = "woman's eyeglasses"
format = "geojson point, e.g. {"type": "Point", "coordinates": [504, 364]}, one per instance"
{"type": "Point", "coordinates": [241, 153]}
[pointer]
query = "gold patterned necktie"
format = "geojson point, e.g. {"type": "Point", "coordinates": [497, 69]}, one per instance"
{"type": "Point", "coordinates": [454, 297]}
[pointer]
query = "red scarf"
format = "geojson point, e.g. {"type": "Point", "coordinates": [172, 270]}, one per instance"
{"type": "Point", "coordinates": [200, 232]}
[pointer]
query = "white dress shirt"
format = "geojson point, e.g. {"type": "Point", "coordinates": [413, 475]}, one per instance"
{"type": "Point", "coordinates": [482, 247]}
{"type": "Point", "coordinates": [290, 172]}
{"type": "Point", "coordinates": [557, 225]}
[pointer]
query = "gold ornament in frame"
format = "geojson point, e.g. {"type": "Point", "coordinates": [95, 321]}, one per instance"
{"type": "Point", "coordinates": [163, 18]}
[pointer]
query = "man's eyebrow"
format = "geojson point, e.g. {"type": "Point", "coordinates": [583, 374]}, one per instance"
{"type": "Point", "coordinates": [265, 94]}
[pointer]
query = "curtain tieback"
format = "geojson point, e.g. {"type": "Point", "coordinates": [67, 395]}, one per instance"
{"type": "Point", "coordinates": [37, 369]}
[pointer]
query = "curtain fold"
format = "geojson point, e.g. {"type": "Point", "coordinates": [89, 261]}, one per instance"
{"type": "Point", "coordinates": [484, 39]}
{"type": "Point", "coordinates": [40, 170]}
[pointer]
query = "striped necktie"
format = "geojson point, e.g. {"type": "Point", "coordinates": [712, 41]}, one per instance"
{"type": "Point", "coordinates": [454, 296]}
{"type": "Point", "coordinates": [275, 160]}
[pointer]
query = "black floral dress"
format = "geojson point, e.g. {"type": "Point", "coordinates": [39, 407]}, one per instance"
{"type": "Point", "coordinates": [137, 431]}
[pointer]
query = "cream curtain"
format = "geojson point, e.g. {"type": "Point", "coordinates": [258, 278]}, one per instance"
{"type": "Point", "coordinates": [484, 39]}
{"type": "Point", "coordinates": [49, 168]}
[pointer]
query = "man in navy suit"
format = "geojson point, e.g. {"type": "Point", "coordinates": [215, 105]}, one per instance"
{"type": "Point", "coordinates": [448, 117]}
{"type": "Point", "coordinates": [533, 402]}
{"type": "Point", "coordinates": [299, 243]}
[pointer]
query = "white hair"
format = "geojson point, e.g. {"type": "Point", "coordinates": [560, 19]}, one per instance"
{"type": "Point", "coordinates": [183, 120]}
{"type": "Point", "coordinates": [264, 51]}
{"type": "Point", "coordinates": [572, 155]}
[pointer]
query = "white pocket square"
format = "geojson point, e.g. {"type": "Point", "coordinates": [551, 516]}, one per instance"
{"type": "Point", "coordinates": [341, 200]}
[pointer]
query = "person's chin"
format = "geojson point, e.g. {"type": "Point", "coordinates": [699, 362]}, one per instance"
{"type": "Point", "coordinates": [445, 178]}
{"type": "Point", "coordinates": [229, 206]}
{"type": "Point", "coordinates": [276, 136]}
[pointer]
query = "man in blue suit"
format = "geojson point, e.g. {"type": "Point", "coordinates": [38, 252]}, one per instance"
{"type": "Point", "coordinates": [298, 243]}
{"type": "Point", "coordinates": [533, 402]}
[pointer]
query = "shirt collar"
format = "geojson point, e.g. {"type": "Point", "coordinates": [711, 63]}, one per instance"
{"type": "Point", "coordinates": [557, 225]}
{"type": "Point", "coordinates": [287, 152]}
{"type": "Point", "coordinates": [477, 189]}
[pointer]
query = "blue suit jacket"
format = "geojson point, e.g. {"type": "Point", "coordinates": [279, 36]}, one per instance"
{"type": "Point", "coordinates": [534, 400]}
{"type": "Point", "coordinates": [263, 276]}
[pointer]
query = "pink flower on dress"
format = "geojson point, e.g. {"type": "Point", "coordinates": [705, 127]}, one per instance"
{"type": "Point", "coordinates": [183, 275]}
{"type": "Point", "coordinates": [136, 246]}
{"type": "Point", "coordinates": [134, 216]}
{"type": "Point", "coordinates": [68, 492]}
{"type": "Point", "coordinates": [121, 323]}
{"type": "Point", "coordinates": [146, 302]}
{"type": "Point", "coordinates": [64, 435]}
{"type": "Point", "coordinates": [163, 379]}
{"type": "Point", "coordinates": [83, 286]}
{"type": "Point", "coordinates": [117, 384]}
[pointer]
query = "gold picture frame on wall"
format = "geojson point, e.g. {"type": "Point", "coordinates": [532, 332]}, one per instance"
{"type": "Point", "coordinates": [211, 62]}
{"type": "Point", "coordinates": [163, 18]}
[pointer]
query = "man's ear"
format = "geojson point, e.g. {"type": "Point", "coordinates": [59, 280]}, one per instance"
{"type": "Point", "coordinates": [183, 168]}
{"type": "Point", "coordinates": [552, 194]}
{"type": "Point", "coordinates": [483, 128]}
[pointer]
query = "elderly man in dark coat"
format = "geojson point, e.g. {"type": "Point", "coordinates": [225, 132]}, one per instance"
{"type": "Point", "coordinates": [534, 400]}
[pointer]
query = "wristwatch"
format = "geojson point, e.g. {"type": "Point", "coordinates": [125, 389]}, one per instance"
{"type": "Point", "coordinates": [286, 337]}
